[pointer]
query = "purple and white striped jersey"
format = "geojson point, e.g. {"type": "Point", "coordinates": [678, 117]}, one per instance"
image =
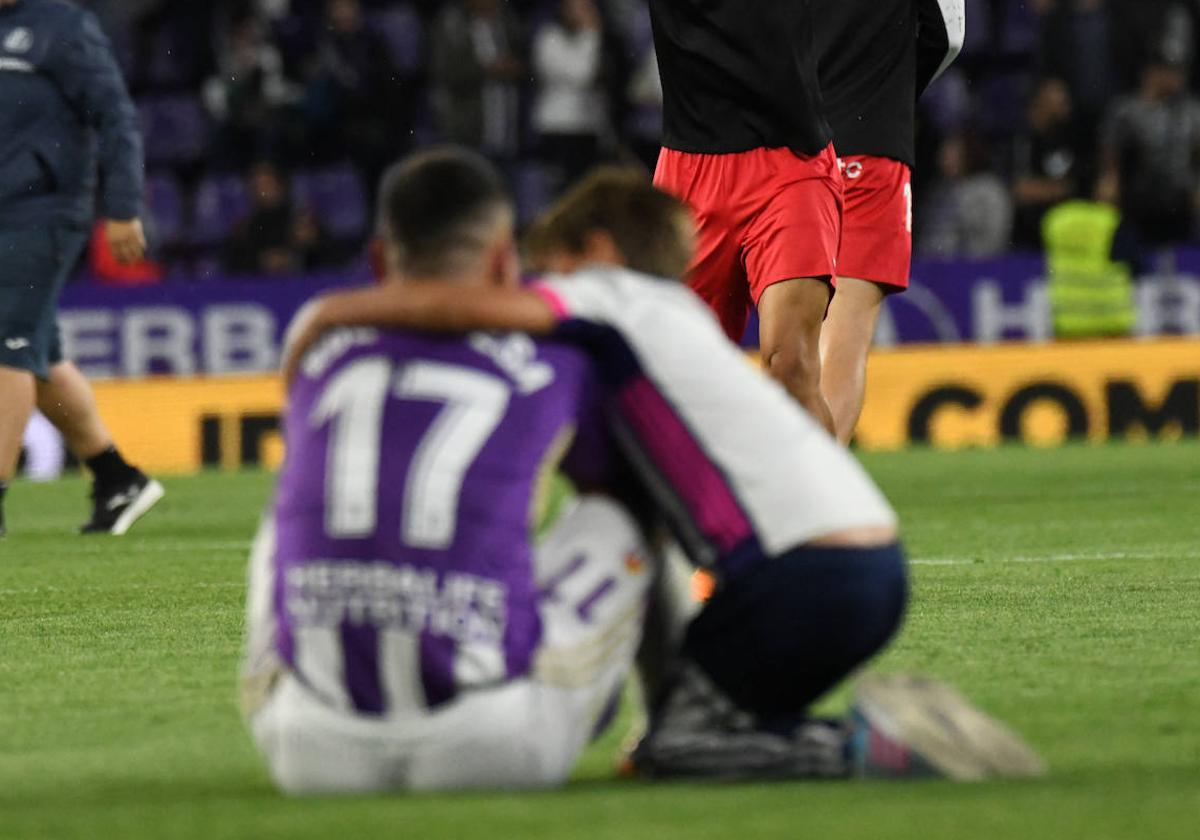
{"type": "Point", "coordinates": [740, 470]}
{"type": "Point", "coordinates": [404, 518]}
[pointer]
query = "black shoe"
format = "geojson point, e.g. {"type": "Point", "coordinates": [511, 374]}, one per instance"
{"type": "Point", "coordinates": [699, 733]}
{"type": "Point", "coordinates": [3, 530]}
{"type": "Point", "coordinates": [116, 507]}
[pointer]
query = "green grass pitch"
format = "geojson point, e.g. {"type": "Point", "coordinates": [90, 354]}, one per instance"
{"type": "Point", "coordinates": [1060, 589]}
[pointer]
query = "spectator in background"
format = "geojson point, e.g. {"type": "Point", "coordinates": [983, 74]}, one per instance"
{"type": "Point", "coordinates": [643, 92]}
{"type": "Point", "coordinates": [569, 113]}
{"type": "Point", "coordinates": [1140, 26]}
{"type": "Point", "coordinates": [249, 94]}
{"type": "Point", "coordinates": [351, 92]}
{"type": "Point", "coordinates": [476, 64]}
{"type": "Point", "coordinates": [1078, 41]}
{"type": "Point", "coordinates": [1045, 165]}
{"type": "Point", "coordinates": [1152, 156]}
{"type": "Point", "coordinates": [275, 238]}
{"type": "Point", "coordinates": [969, 212]}
{"type": "Point", "coordinates": [172, 43]}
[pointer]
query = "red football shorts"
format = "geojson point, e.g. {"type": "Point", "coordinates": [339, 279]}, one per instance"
{"type": "Point", "coordinates": [763, 216]}
{"type": "Point", "coordinates": [877, 225]}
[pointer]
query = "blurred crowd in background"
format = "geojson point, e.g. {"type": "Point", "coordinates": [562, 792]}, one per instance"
{"type": "Point", "coordinates": [267, 122]}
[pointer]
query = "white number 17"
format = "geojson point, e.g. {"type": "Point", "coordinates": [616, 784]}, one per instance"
{"type": "Point", "coordinates": [354, 403]}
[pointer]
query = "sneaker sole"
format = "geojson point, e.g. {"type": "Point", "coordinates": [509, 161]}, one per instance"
{"type": "Point", "coordinates": [151, 495]}
{"type": "Point", "coordinates": [939, 724]}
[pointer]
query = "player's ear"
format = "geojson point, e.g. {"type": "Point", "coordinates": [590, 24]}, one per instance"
{"type": "Point", "coordinates": [504, 264]}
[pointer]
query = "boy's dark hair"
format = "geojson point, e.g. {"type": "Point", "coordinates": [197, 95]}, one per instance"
{"type": "Point", "coordinates": [648, 226]}
{"type": "Point", "coordinates": [435, 207]}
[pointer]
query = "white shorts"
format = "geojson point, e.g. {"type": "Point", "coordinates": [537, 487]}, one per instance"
{"type": "Point", "coordinates": [527, 733]}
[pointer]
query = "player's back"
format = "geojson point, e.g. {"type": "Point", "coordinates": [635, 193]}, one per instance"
{"type": "Point", "coordinates": [403, 522]}
{"type": "Point", "coordinates": [877, 57]}
{"type": "Point", "coordinates": [868, 75]}
{"type": "Point", "coordinates": [738, 75]}
{"type": "Point", "coordinates": [740, 469]}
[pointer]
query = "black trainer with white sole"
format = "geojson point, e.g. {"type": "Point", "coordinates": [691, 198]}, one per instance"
{"type": "Point", "coordinates": [699, 733]}
{"type": "Point", "coordinates": [116, 508]}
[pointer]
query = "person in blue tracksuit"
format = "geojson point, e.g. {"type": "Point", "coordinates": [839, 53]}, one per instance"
{"type": "Point", "coordinates": [70, 151]}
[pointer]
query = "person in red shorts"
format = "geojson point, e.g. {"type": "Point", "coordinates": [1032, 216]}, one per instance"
{"type": "Point", "coordinates": [877, 57]}
{"type": "Point", "coordinates": [746, 145]}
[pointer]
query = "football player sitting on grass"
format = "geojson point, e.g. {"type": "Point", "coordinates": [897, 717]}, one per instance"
{"type": "Point", "coordinates": [810, 576]}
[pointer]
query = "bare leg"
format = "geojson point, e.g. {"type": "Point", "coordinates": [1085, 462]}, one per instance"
{"type": "Point", "coordinates": [16, 407]}
{"type": "Point", "coordinates": [845, 343]}
{"type": "Point", "coordinates": [67, 400]}
{"type": "Point", "coordinates": [121, 494]}
{"type": "Point", "coordinates": [790, 316]}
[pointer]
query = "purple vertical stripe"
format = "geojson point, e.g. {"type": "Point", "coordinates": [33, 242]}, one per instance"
{"type": "Point", "coordinates": [285, 641]}
{"type": "Point", "coordinates": [360, 652]}
{"type": "Point", "coordinates": [691, 473]}
{"type": "Point", "coordinates": [437, 669]}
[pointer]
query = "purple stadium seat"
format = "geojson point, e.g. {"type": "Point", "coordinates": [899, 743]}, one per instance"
{"type": "Point", "coordinates": [176, 129]}
{"type": "Point", "coordinates": [164, 201]}
{"type": "Point", "coordinates": [979, 27]}
{"type": "Point", "coordinates": [1020, 31]}
{"type": "Point", "coordinates": [167, 65]}
{"type": "Point", "coordinates": [207, 267]}
{"type": "Point", "coordinates": [947, 103]}
{"type": "Point", "coordinates": [221, 203]}
{"type": "Point", "coordinates": [1006, 95]}
{"type": "Point", "coordinates": [641, 34]}
{"type": "Point", "coordinates": [337, 197]}
{"type": "Point", "coordinates": [531, 189]}
{"type": "Point", "coordinates": [401, 29]}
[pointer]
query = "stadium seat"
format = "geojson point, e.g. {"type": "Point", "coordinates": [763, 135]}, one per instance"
{"type": "Point", "coordinates": [641, 35]}
{"type": "Point", "coordinates": [531, 188]}
{"type": "Point", "coordinates": [169, 62]}
{"type": "Point", "coordinates": [1019, 34]}
{"type": "Point", "coordinates": [337, 197]}
{"type": "Point", "coordinates": [221, 202]}
{"type": "Point", "coordinates": [164, 200]}
{"type": "Point", "coordinates": [401, 28]}
{"type": "Point", "coordinates": [207, 267]}
{"type": "Point", "coordinates": [979, 29]}
{"type": "Point", "coordinates": [947, 103]}
{"type": "Point", "coordinates": [1006, 94]}
{"type": "Point", "coordinates": [176, 129]}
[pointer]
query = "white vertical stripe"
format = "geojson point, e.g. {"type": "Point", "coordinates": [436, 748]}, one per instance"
{"type": "Point", "coordinates": [400, 671]}
{"type": "Point", "coordinates": [954, 16]}
{"type": "Point", "coordinates": [478, 664]}
{"type": "Point", "coordinates": [321, 663]}
{"type": "Point", "coordinates": [260, 602]}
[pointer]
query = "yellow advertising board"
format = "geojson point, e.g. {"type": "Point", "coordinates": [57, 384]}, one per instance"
{"type": "Point", "coordinates": [947, 397]}
{"type": "Point", "coordinates": [1037, 394]}
{"type": "Point", "coordinates": [183, 424]}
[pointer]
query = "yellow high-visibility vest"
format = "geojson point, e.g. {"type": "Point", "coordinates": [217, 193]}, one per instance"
{"type": "Point", "coordinates": [1090, 295]}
